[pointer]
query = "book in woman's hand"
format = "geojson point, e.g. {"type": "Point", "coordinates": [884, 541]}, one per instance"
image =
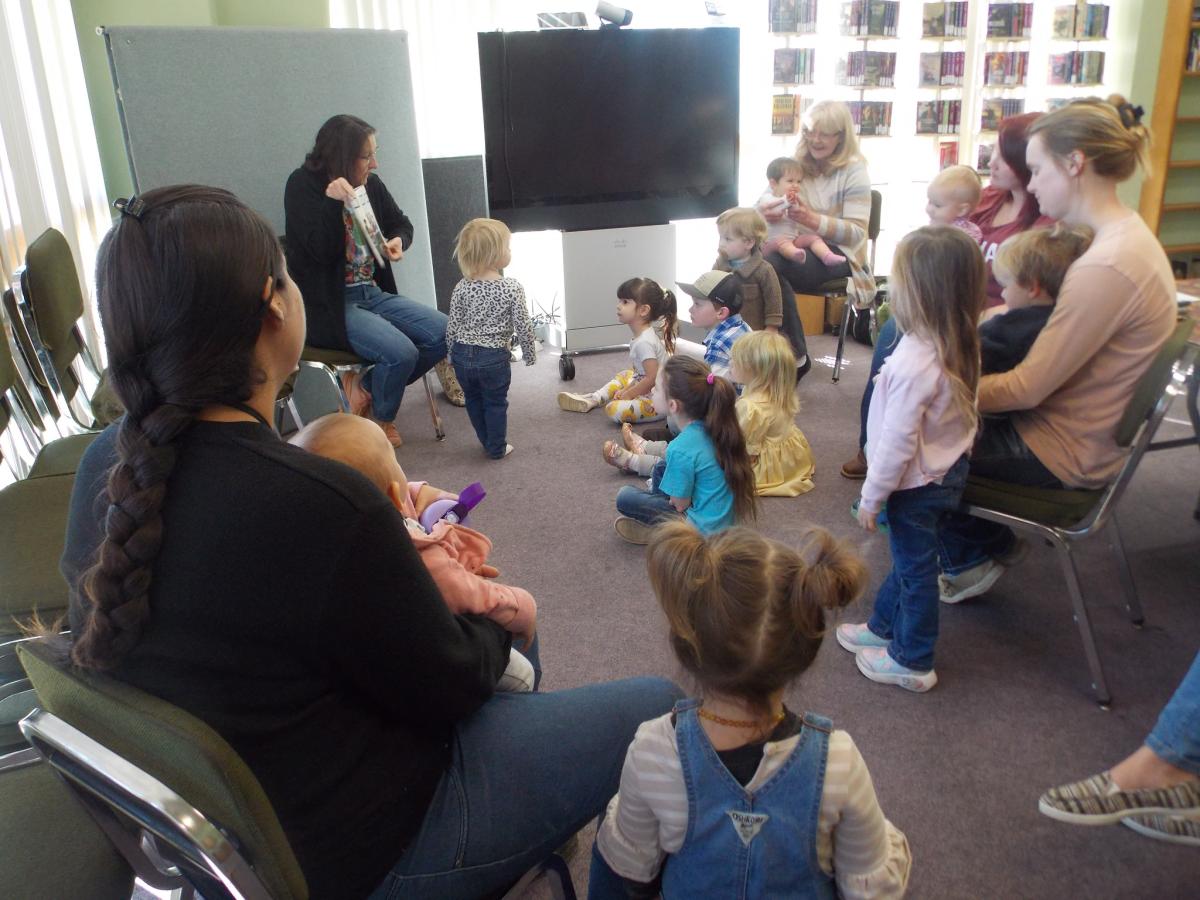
{"type": "Point", "coordinates": [364, 217]}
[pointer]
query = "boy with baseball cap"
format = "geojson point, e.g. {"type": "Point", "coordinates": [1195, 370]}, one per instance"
{"type": "Point", "coordinates": [716, 306]}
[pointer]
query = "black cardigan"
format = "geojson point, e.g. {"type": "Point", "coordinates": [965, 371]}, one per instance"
{"type": "Point", "coordinates": [315, 240]}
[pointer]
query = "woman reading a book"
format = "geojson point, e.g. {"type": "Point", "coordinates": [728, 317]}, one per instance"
{"type": "Point", "coordinates": [1007, 207]}
{"type": "Point", "coordinates": [834, 202]}
{"type": "Point", "coordinates": [343, 231]}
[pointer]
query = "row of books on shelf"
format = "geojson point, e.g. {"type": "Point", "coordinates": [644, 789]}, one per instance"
{"type": "Point", "coordinates": [786, 110]}
{"type": "Point", "coordinates": [867, 68]}
{"type": "Point", "coordinates": [1080, 20]}
{"type": "Point", "coordinates": [794, 65]}
{"type": "Point", "coordinates": [1005, 68]}
{"type": "Point", "coordinates": [792, 16]}
{"type": "Point", "coordinates": [870, 17]}
{"type": "Point", "coordinates": [1077, 67]}
{"type": "Point", "coordinates": [1010, 20]}
{"type": "Point", "coordinates": [1193, 57]}
{"type": "Point", "coordinates": [942, 69]}
{"type": "Point", "coordinates": [994, 110]}
{"type": "Point", "coordinates": [938, 116]}
{"type": "Point", "coordinates": [944, 19]}
{"type": "Point", "coordinates": [871, 117]}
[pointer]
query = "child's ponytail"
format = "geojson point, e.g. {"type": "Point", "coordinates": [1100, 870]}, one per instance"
{"type": "Point", "coordinates": [710, 400]}
{"type": "Point", "coordinates": [829, 575]}
{"type": "Point", "coordinates": [670, 317]}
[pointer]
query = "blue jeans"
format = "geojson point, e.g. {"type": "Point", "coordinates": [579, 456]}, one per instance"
{"type": "Point", "coordinates": [999, 453]}
{"type": "Point", "coordinates": [404, 338]}
{"type": "Point", "coordinates": [1176, 737]}
{"type": "Point", "coordinates": [906, 607]}
{"type": "Point", "coordinates": [647, 506]}
{"type": "Point", "coordinates": [526, 772]}
{"type": "Point", "coordinates": [485, 374]}
{"type": "Point", "coordinates": [885, 342]}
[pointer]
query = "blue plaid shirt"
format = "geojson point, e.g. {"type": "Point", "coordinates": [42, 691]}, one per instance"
{"type": "Point", "coordinates": [718, 345]}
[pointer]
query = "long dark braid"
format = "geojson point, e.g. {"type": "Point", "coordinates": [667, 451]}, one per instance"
{"type": "Point", "coordinates": [712, 403]}
{"type": "Point", "coordinates": [180, 293]}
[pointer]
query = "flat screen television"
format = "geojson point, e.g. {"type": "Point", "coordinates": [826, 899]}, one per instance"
{"type": "Point", "coordinates": [609, 128]}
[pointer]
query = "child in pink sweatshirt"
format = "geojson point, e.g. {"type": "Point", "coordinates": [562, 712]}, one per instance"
{"type": "Point", "coordinates": [455, 555]}
{"type": "Point", "coordinates": [920, 427]}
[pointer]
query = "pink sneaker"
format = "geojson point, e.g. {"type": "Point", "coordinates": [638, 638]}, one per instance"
{"type": "Point", "coordinates": [877, 664]}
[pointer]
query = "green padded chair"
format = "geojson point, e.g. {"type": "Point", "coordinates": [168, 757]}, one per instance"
{"type": "Point", "coordinates": [838, 286]}
{"type": "Point", "coordinates": [33, 447]}
{"type": "Point", "coordinates": [49, 846]}
{"type": "Point", "coordinates": [48, 306]}
{"type": "Point", "coordinates": [154, 768]}
{"type": "Point", "coordinates": [334, 364]}
{"type": "Point", "coordinates": [1066, 517]}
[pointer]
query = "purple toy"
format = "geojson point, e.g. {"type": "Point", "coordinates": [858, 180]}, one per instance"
{"type": "Point", "coordinates": [453, 511]}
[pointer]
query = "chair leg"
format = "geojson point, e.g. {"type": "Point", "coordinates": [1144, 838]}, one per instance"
{"type": "Point", "coordinates": [837, 362]}
{"type": "Point", "coordinates": [438, 431]}
{"type": "Point", "coordinates": [1132, 605]}
{"type": "Point", "coordinates": [294, 409]}
{"type": "Point", "coordinates": [1099, 685]}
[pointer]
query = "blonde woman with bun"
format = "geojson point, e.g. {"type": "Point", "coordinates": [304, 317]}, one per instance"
{"type": "Point", "coordinates": [1051, 419]}
{"type": "Point", "coordinates": [833, 201]}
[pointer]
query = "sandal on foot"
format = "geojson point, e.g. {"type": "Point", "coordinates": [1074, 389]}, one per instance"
{"type": "Point", "coordinates": [618, 456]}
{"type": "Point", "coordinates": [633, 441]}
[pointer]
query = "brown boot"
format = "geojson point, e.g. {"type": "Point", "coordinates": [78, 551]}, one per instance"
{"type": "Point", "coordinates": [356, 395]}
{"type": "Point", "coordinates": [856, 468]}
{"type": "Point", "coordinates": [450, 386]}
{"type": "Point", "coordinates": [390, 432]}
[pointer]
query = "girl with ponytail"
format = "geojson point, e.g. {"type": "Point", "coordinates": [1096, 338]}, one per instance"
{"type": "Point", "coordinates": [783, 805]}
{"type": "Point", "coordinates": [276, 596]}
{"type": "Point", "coordinates": [706, 475]}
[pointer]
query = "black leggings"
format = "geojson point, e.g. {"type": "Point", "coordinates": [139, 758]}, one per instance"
{"type": "Point", "coordinates": [808, 276]}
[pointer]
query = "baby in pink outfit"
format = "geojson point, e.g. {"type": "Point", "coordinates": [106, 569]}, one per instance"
{"type": "Point", "coordinates": [953, 195]}
{"type": "Point", "coordinates": [784, 176]}
{"type": "Point", "coordinates": [456, 556]}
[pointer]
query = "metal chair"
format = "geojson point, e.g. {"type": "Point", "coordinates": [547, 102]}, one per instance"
{"type": "Point", "coordinates": [335, 363]}
{"type": "Point", "coordinates": [838, 286]}
{"type": "Point", "coordinates": [1065, 517]}
{"type": "Point", "coordinates": [46, 307]}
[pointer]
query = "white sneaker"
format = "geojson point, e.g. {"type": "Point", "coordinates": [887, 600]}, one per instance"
{"type": "Point", "coordinates": [970, 583]}
{"type": "Point", "coordinates": [508, 448]}
{"type": "Point", "coordinates": [877, 664]}
{"type": "Point", "coordinates": [859, 637]}
{"type": "Point", "coordinates": [576, 402]}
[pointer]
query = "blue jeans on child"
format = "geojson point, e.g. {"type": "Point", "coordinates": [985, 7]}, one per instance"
{"type": "Point", "coordinates": [1176, 735]}
{"type": "Point", "coordinates": [526, 772]}
{"type": "Point", "coordinates": [906, 607]}
{"type": "Point", "coordinates": [647, 506]}
{"type": "Point", "coordinates": [485, 374]}
{"type": "Point", "coordinates": [404, 338]}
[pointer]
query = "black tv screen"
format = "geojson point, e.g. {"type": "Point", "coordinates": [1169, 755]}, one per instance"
{"type": "Point", "coordinates": [609, 128]}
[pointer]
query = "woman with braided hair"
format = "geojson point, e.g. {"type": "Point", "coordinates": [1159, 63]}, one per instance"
{"type": "Point", "coordinates": [276, 596]}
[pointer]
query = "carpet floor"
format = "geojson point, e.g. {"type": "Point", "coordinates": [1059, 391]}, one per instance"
{"type": "Point", "coordinates": [959, 769]}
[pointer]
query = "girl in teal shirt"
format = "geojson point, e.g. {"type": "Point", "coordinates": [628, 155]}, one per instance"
{"type": "Point", "coordinates": [706, 476]}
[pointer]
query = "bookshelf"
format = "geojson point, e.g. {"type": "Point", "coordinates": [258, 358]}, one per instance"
{"type": "Point", "coordinates": [1170, 195]}
{"type": "Point", "coordinates": [939, 115]}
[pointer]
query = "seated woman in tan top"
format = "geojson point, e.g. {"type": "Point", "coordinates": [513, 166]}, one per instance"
{"type": "Point", "coordinates": [1115, 309]}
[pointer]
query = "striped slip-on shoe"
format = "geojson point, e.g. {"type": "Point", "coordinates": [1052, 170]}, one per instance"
{"type": "Point", "coordinates": [1096, 801]}
{"type": "Point", "coordinates": [1173, 829]}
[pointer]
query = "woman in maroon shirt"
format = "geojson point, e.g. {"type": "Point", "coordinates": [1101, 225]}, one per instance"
{"type": "Point", "coordinates": [1006, 207]}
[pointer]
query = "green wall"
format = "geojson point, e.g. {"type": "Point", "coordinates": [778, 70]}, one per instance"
{"type": "Point", "coordinates": [91, 14]}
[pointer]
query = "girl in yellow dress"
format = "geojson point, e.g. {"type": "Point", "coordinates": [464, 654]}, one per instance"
{"type": "Point", "coordinates": [766, 411]}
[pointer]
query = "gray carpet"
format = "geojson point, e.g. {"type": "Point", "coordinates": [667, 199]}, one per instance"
{"type": "Point", "coordinates": [959, 770]}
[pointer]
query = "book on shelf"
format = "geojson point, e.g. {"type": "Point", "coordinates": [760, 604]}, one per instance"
{"type": "Point", "coordinates": [787, 62]}
{"type": "Point", "coordinates": [792, 16]}
{"type": "Point", "coordinates": [871, 117]}
{"type": "Point", "coordinates": [944, 69]}
{"type": "Point", "coordinates": [365, 221]}
{"type": "Point", "coordinates": [1009, 20]}
{"type": "Point", "coordinates": [1076, 67]}
{"type": "Point", "coordinates": [931, 70]}
{"type": "Point", "coordinates": [868, 68]}
{"type": "Point", "coordinates": [938, 116]}
{"type": "Point", "coordinates": [983, 163]}
{"type": "Point", "coordinates": [994, 110]}
{"type": "Point", "coordinates": [1080, 20]}
{"type": "Point", "coordinates": [947, 154]}
{"type": "Point", "coordinates": [785, 114]}
{"type": "Point", "coordinates": [1005, 68]}
{"type": "Point", "coordinates": [944, 19]}
{"type": "Point", "coordinates": [876, 18]}
{"type": "Point", "coordinates": [1193, 56]}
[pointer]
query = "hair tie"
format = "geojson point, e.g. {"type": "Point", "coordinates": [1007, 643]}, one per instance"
{"type": "Point", "coordinates": [709, 377]}
{"type": "Point", "coordinates": [134, 206]}
{"type": "Point", "coordinates": [1130, 115]}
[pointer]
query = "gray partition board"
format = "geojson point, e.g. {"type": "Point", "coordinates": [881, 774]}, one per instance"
{"type": "Point", "coordinates": [238, 108]}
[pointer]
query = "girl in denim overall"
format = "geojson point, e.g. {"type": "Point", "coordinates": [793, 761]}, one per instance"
{"type": "Point", "coordinates": [732, 794]}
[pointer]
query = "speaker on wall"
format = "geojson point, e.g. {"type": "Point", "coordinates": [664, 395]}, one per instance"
{"type": "Point", "coordinates": [455, 193]}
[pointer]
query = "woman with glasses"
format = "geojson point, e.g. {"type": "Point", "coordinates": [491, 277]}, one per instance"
{"type": "Point", "coordinates": [835, 203]}
{"type": "Point", "coordinates": [350, 298]}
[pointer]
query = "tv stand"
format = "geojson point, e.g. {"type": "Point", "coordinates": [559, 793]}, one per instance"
{"type": "Point", "coordinates": [595, 263]}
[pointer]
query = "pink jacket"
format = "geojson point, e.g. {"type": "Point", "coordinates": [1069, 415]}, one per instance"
{"type": "Point", "coordinates": [914, 432]}
{"type": "Point", "coordinates": [454, 554]}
